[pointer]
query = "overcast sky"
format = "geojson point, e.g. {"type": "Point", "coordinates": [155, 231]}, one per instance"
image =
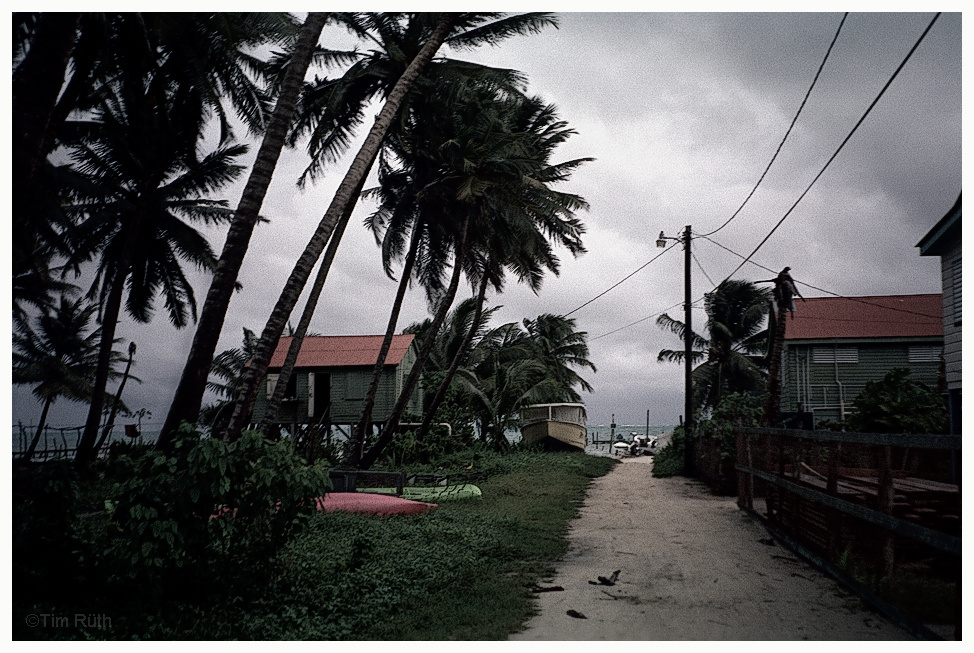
{"type": "Point", "coordinates": [682, 113]}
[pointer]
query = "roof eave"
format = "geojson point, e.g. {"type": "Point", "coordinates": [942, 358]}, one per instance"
{"type": "Point", "coordinates": [943, 234]}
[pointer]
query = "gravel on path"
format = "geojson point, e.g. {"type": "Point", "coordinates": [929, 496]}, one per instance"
{"type": "Point", "coordinates": [692, 566]}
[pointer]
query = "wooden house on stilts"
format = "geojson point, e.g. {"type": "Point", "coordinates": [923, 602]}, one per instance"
{"type": "Point", "coordinates": [331, 378]}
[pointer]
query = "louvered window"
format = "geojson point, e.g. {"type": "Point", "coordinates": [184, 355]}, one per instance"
{"type": "Point", "coordinates": [835, 354]}
{"type": "Point", "coordinates": [924, 354]}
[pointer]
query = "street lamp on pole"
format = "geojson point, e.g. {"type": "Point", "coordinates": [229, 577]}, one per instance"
{"type": "Point", "coordinates": [688, 347]}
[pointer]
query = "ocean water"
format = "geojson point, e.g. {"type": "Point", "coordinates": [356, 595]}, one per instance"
{"type": "Point", "coordinates": [600, 436]}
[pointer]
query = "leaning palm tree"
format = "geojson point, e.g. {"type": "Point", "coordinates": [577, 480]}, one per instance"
{"type": "Point", "coordinates": [189, 393]}
{"type": "Point", "coordinates": [478, 160]}
{"type": "Point", "coordinates": [60, 356]}
{"type": "Point", "coordinates": [343, 196]}
{"type": "Point", "coordinates": [146, 185]}
{"type": "Point", "coordinates": [733, 357]}
{"type": "Point", "coordinates": [332, 109]}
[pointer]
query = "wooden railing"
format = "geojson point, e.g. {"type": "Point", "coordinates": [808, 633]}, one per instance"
{"type": "Point", "coordinates": [889, 499]}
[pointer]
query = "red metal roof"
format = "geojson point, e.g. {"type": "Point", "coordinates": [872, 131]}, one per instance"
{"type": "Point", "coordinates": [341, 351]}
{"type": "Point", "coordinates": [886, 316]}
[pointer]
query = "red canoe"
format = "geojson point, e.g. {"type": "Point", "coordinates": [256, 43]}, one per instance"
{"type": "Point", "coordinates": [372, 504]}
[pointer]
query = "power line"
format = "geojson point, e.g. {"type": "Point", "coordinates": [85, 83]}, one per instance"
{"type": "Point", "coordinates": [648, 317]}
{"type": "Point", "coordinates": [790, 127]}
{"type": "Point", "coordinates": [841, 145]}
{"type": "Point", "coordinates": [620, 282]}
{"type": "Point", "coordinates": [828, 292]}
{"type": "Point", "coordinates": [763, 267]}
{"type": "Point", "coordinates": [747, 259]}
{"type": "Point", "coordinates": [700, 265]}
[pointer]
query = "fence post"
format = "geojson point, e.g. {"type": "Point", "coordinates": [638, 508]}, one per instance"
{"type": "Point", "coordinates": [772, 459]}
{"type": "Point", "coordinates": [745, 482]}
{"type": "Point", "coordinates": [832, 489]}
{"type": "Point", "coordinates": [885, 505]}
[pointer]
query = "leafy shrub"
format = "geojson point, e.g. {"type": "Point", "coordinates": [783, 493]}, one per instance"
{"type": "Point", "coordinates": [211, 508]}
{"type": "Point", "coordinates": [669, 460]}
{"type": "Point", "coordinates": [734, 410]}
{"type": "Point", "coordinates": [898, 404]}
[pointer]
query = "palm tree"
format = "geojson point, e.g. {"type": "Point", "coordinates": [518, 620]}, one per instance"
{"type": "Point", "coordinates": [560, 348]}
{"type": "Point", "coordinates": [343, 196]}
{"type": "Point", "coordinates": [503, 391]}
{"type": "Point", "coordinates": [734, 355]}
{"type": "Point", "coordinates": [59, 356]}
{"type": "Point", "coordinates": [462, 30]}
{"type": "Point", "coordinates": [528, 253]}
{"type": "Point", "coordinates": [298, 335]}
{"type": "Point", "coordinates": [46, 44]}
{"type": "Point", "coordinates": [227, 368]}
{"type": "Point", "coordinates": [189, 393]}
{"type": "Point", "coordinates": [485, 158]}
{"type": "Point", "coordinates": [146, 184]}
{"type": "Point", "coordinates": [331, 109]}
{"type": "Point", "coordinates": [207, 57]}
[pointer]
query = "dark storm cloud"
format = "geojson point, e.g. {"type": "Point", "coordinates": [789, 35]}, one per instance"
{"type": "Point", "coordinates": [682, 113]}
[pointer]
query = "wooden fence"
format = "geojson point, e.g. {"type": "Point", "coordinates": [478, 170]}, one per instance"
{"type": "Point", "coordinates": [890, 500]}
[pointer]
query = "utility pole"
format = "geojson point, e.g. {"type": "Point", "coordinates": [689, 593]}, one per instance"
{"type": "Point", "coordinates": [688, 360]}
{"type": "Point", "coordinates": [688, 452]}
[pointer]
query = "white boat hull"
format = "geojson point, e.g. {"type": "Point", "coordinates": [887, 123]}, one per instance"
{"type": "Point", "coordinates": [558, 426]}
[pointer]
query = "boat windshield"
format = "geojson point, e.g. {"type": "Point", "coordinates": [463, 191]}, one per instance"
{"type": "Point", "coordinates": [534, 413]}
{"type": "Point", "coordinates": [573, 414]}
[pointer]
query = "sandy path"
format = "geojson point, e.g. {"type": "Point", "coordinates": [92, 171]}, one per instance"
{"type": "Point", "coordinates": [691, 567]}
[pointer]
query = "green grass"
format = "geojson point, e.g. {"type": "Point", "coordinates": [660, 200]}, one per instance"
{"type": "Point", "coordinates": [463, 572]}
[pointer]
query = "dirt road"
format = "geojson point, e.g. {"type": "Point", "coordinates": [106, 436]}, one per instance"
{"type": "Point", "coordinates": [692, 566]}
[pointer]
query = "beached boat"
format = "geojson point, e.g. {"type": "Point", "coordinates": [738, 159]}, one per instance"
{"type": "Point", "coordinates": [556, 426]}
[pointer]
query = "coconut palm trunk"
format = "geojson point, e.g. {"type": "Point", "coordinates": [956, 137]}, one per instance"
{"type": "Point", "coordinates": [389, 428]}
{"type": "Point", "coordinates": [343, 196]}
{"type": "Point", "coordinates": [27, 455]}
{"type": "Point", "coordinates": [772, 405]}
{"type": "Point", "coordinates": [189, 393]}
{"type": "Point", "coordinates": [354, 452]}
{"type": "Point", "coordinates": [118, 398]}
{"type": "Point", "coordinates": [113, 304]}
{"type": "Point", "coordinates": [457, 360]}
{"type": "Point", "coordinates": [309, 309]}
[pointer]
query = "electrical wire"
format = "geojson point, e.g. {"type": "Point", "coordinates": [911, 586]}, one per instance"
{"type": "Point", "coordinates": [648, 317]}
{"type": "Point", "coordinates": [828, 292]}
{"type": "Point", "coordinates": [700, 265]}
{"type": "Point", "coordinates": [788, 132]}
{"type": "Point", "coordinates": [620, 282]}
{"type": "Point", "coordinates": [841, 145]}
{"type": "Point", "coordinates": [763, 174]}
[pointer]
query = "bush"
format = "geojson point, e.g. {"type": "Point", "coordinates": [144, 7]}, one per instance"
{"type": "Point", "coordinates": [897, 404]}
{"type": "Point", "coordinates": [210, 509]}
{"type": "Point", "coordinates": [669, 460]}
